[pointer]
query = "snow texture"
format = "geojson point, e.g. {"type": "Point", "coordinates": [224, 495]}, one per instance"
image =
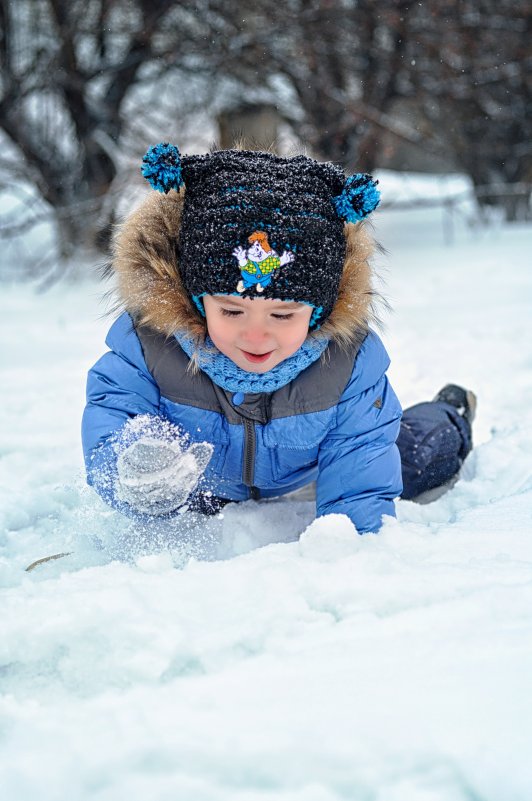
{"type": "Point", "coordinates": [263, 655]}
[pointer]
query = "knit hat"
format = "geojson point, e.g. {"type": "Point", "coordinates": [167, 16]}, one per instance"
{"type": "Point", "coordinates": [258, 225]}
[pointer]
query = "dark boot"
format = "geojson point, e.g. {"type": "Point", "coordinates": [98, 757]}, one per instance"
{"type": "Point", "coordinates": [464, 401]}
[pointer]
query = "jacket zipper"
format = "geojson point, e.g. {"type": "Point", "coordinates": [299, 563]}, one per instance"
{"type": "Point", "coordinates": [248, 467]}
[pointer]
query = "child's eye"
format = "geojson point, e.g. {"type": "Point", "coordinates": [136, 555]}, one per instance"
{"type": "Point", "coordinates": [283, 316]}
{"type": "Point", "coordinates": [230, 312]}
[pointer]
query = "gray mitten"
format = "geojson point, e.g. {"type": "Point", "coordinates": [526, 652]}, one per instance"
{"type": "Point", "coordinates": [156, 477]}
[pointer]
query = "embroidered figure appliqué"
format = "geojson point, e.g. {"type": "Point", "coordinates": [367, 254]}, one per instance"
{"type": "Point", "coordinates": [259, 263]}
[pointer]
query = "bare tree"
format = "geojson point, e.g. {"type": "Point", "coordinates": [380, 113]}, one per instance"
{"type": "Point", "coordinates": [332, 68]}
{"type": "Point", "coordinates": [470, 66]}
{"type": "Point", "coordinates": [67, 69]}
{"type": "Point", "coordinates": [336, 69]}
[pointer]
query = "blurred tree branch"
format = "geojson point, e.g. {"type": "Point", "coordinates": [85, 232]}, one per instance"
{"type": "Point", "coordinates": [334, 69]}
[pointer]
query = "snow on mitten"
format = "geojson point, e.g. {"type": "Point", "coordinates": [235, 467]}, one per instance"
{"type": "Point", "coordinates": [156, 477]}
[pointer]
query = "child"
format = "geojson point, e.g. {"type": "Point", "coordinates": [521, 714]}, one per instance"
{"type": "Point", "coordinates": [244, 365]}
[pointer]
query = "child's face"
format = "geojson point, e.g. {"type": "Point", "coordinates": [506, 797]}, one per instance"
{"type": "Point", "coordinates": [256, 334]}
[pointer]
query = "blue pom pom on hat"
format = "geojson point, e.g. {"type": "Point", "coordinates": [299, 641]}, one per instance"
{"type": "Point", "coordinates": [161, 166]}
{"type": "Point", "coordinates": [358, 198]}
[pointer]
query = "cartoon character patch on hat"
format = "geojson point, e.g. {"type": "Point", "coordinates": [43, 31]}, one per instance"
{"type": "Point", "coordinates": [259, 263]}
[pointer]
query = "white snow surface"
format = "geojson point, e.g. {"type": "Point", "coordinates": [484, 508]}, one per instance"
{"type": "Point", "coordinates": [263, 655]}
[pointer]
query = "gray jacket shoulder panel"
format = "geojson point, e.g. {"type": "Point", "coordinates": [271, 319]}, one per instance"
{"type": "Point", "coordinates": [316, 389]}
{"type": "Point", "coordinates": [169, 366]}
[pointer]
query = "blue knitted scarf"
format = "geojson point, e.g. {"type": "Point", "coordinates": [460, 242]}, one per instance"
{"type": "Point", "coordinates": [227, 375]}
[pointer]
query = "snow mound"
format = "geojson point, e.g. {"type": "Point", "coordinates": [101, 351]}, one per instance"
{"type": "Point", "coordinates": [263, 654]}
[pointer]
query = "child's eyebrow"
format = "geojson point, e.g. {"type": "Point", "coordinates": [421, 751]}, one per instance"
{"type": "Point", "coordinates": [226, 301]}
{"type": "Point", "coordinates": [282, 305]}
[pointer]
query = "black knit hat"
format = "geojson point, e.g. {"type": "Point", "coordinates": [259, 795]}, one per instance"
{"type": "Point", "coordinates": [258, 225]}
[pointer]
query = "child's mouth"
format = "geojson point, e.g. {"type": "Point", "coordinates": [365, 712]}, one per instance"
{"type": "Point", "coordinates": [257, 357]}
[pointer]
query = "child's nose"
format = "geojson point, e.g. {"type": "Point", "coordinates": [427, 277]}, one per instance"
{"type": "Point", "coordinates": [255, 332]}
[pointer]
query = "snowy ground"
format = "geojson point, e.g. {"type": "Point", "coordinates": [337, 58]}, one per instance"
{"type": "Point", "coordinates": [320, 667]}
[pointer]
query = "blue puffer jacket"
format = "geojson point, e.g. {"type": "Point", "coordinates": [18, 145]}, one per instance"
{"type": "Point", "coordinates": [348, 446]}
{"type": "Point", "coordinates": [335, 423]}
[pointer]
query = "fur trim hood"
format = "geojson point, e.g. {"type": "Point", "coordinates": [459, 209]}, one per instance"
{"type": "Point", "coordinates": [146, 264]}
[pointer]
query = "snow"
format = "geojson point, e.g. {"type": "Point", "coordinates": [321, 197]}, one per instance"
{"type": "Point", "coordinates": [263, 655]}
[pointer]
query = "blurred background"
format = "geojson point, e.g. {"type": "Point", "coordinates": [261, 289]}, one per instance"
{"type": "Point", "coordinates": [438, 86]}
